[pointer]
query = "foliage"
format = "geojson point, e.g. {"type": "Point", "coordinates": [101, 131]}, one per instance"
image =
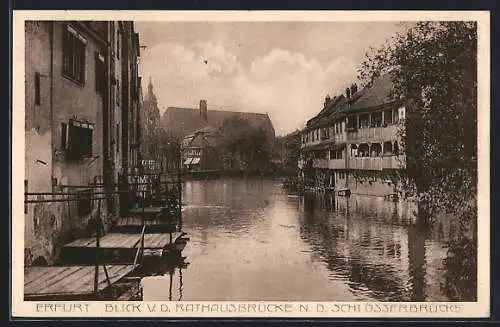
{"type": "Point", "coordinates": [460, 265]}
{"type": "Point", "coordinates": [287, 148]}
{"type": "Point", "coordinates": [434, 70]}
{"type": "Point", "coordinates": [242, 140]}
{"type": "Point", "coordinates": [169, 150]}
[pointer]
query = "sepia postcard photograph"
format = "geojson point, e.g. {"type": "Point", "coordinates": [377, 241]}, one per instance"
{"type": "Point", "coordinates": [250, 164]}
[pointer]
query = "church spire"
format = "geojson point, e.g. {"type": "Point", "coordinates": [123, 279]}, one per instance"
{"type": "Point", "coordinates": [150, 86]}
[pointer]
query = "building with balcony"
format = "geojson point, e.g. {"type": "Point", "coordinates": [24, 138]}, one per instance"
{"type": "Point", "coordinates": [353, 143]}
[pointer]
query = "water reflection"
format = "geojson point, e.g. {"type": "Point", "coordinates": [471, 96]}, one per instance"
{"type": "Point", "coordinates": [251, 241]}
{"type": "Point", "coordinates": [166, 272]}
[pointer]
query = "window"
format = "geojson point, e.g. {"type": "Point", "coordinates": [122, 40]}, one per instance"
{"type": "Point", "coordinates": [376, 119]}
{"type": "Point", "coordinates": [100, 74]}
{"type": "Point", "coordinates": [352, 123]}
{"type": "Point", "coordinates": [78, 142]}
{"type": "Point", "coordinates": [364, 150]}
{"type": "Point", "coordinates": [387, 148]}
{"type": "Point", "coordinates": [325, 133]}
{"type": "Point", "coordinates": [74, 55]}
{"type": "Point", "coordinates": [354, 150]}
{"type": "Point", "coordinates": [37, 88]}
{"type": "Point", "coordinates": [364, 121]}
{"type": "Point", "coordinates": [388, 117]}
{"type": "Point", "coordinates": [320, 154]}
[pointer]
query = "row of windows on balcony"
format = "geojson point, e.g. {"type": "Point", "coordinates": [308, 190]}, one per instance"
{"type": "Point", "coordinates": [374, 119]}
{"type": "Point", "coordinates": [362, 150]}
{"type": "Point", "coordinates": [323, 133]}
{"type": "Point", "coordinates": [382, 118]}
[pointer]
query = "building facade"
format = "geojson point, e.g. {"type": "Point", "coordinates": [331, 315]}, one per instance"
{"type": "Point", "coordinates": [353, 145]}
{"type": "Point", "coordinates": [69, 109]}
{"type": "Point", "coordinates": [201, 150]}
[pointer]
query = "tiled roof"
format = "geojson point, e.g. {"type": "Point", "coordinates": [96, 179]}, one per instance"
{"type": "Point", "coordinates": [376, 95]}
{"type": "Point", "coordinates": [184, 121]}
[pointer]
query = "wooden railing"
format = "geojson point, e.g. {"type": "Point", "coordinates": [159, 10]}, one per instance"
{"type": "Point", "coordinates": [377, 163]}
{"type": "Point", "coordinates": [366, 163]}
{"type": "Point", "coordinates": [340, 137]}
{"type": "Point", "coordinates": [320, 163]}
{"type": "Point", "coordinates": [377, 134]}
{"type": "Point", "coordinates": [336, 164]}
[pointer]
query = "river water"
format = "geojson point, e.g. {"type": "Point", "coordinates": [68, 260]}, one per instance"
{"type": "Point", "coordinates": [250, 240]}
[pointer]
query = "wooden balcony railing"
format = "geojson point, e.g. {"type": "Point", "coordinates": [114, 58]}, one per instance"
{"type": "Point", "coordinates": [320, 163]}
{"type": "Point", "coordinates": [377, 163]}
{"type": "Point", "coordinates": [336, 164]}
{"type": "Point", "coordinates": [374, 134]}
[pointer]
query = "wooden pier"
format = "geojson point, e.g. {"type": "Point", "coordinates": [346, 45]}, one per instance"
{"type": "Point", "coordinates": [119, 247]}
{"type": "Point", "coordinates": [134, 225]}
{"type": "Point", "coordinates": [71, 282]}
{"type": "Point", "coordinates": [90, 268]}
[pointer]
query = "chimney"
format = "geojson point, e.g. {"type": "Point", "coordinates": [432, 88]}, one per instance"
{"type": "Point", "coordinates": [203, 110]}
{"type": "Point", "coordinates": [354, 88]}
{"type": "Point", "coordinates": [327, 100]}
{"type": "Point", "coordinates": [348, 93]}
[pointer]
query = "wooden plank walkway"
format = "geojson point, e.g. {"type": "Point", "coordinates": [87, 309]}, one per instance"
{"type": "Point", "coordinates": [126, 241]}
{"type": "Point", "coordinates": [67, 281]}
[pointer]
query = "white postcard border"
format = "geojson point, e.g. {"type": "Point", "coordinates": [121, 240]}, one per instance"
{"type": "Point", "coordinates": [481, 308]}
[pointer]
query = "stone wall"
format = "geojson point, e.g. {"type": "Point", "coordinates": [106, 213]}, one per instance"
{"type": "Point", "coordinates": [51, 224]}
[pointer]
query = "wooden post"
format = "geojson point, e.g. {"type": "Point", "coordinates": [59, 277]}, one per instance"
{"type": "Point", "coordinates": [97, 235]}
{"type": "Point", "coordinates": [170, 286]}
{"type": "Point", "coordinates": [181, 284]}
{"type": "Point", "coordinates": [143, 222]}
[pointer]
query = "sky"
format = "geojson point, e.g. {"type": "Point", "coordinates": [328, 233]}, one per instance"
{"type": "Point", "coordinates": [284, 69]}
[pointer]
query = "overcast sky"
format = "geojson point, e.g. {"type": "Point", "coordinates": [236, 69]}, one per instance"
{"type": "Point", "coordinates": [284, 69]}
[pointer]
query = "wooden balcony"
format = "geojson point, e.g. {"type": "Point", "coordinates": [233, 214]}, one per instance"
{"type": "Point", "coordinates": [320, 163]}
{"type": "Point", "coordinates": [309, 144]}
{"type": "Point", "coordinates": [365, 163]}
{"type": "Point", "coordinates": [340, 138]}
{"type": "Point", "coordinates": [336, 164]}
{"type": "Point", "coordinates": [374, 134]}
{"type": "Point", "coordinates": [377, 163]}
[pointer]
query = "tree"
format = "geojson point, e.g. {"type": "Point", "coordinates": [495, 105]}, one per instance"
{"type": "Point", "coordinates": [434, 70]}
{"type": "Point", "coordinates": [169, 151]}
{"type": "Point", "coordinates": [287, 148]}
{"type": "Point", "coordinates": [246, 142]}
